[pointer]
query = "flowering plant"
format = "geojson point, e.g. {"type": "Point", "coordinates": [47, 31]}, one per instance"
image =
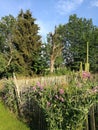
{"type": "Point", "coordinates": [55, 106]}
{"type": "Point", "coordinates": [67, 109]}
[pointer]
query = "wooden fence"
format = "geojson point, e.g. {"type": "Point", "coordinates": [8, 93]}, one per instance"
{"type": "Point", "coordinates": [91, 122]}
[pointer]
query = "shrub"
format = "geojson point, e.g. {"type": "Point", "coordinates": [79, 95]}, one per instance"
{"type": "Point", "coordinates": [55, 106]}
{"type": "Point", "coordinates": [8, 95]}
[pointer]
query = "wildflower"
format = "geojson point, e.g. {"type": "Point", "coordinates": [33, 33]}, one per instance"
{"type": "Point", "coordinates": [56, 96]}
{"type": "Point", "coordinates": [34, 88]}
{"type": "Point", "coordinates": [61, 91]}
{"type": "Point", "coordinates": [41, 88]}
{"type": "Point", "coordinates": [95, 89]}
{"type": "Point", "coordinates": [61, 99]}
{"type": "Point", "coordinates": [48, 104]}
{"type": "Point", "coordinates": [85, 74]}
{"type": "Point", "coordinates": [38, 84]}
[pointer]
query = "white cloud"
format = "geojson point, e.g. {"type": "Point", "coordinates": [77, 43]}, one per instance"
{"type": "Point", "coordinates": [94, 3]}
{"type": "Point", "coordinates": [45, 28]}
{"type": "Point", "coordinates": [42, 30]}
{"type": "Point", "coordinates": [66, 6]}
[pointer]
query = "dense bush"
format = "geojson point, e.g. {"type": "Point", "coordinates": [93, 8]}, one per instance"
{"type": "Point", "coordinates": [8, 95]}
{"type": "Point", "coordinates": [57, 106]}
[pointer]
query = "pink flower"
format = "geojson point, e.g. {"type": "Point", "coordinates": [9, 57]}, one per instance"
{"type": "Point", "coordinates": [61, 91]}
{"type": "Point", "coordinates": [85, 74]}
{"type": "Point", "coordinates": [95, 89]}
{"type": "Point", "coordinates": [48, 104]}
{"type": "Point", "coordinates": [38, 84]}
{"type": "Point", "coordinates": [61, 99]}
{"type": "Point", "coordinates": [41, 87]}
{"type": "Point", "coordinates": [34, 88]}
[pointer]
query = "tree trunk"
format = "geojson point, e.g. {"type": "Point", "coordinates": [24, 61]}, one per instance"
{"type": "Point", "coordinates": [52, 60]}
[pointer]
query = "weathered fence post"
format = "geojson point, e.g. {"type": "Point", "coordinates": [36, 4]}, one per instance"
{"type": "Point", "coordinates": [86, 123]}
{"type": "Point", "coordinates": [92, 119]}
{"type": "Point", "coordinates": [17, 94]}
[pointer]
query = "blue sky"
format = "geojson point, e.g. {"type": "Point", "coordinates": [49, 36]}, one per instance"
{"type": "Point", "coordinates": [49, 13]}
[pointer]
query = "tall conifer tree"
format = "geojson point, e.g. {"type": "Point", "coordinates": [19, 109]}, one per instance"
{"type": "Point", "coordinates": [26, 41]}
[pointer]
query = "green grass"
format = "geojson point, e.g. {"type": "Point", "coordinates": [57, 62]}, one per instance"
{"type": "Point", "coordinates": [8, 121]}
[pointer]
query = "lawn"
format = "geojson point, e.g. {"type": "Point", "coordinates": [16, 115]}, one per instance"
{"type": "Point", "coordinates": [8, 121]}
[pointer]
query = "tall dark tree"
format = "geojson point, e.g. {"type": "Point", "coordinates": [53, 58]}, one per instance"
{"type": "Point", "coordinates": [76, 33]}
{"type": "Point", "coordinates": [26, 41]}
{"type": "Point", "coordinates": [93, 50]}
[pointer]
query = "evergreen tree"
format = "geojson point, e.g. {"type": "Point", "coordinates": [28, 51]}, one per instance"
{"type": "Point", "coordinates": [27, 42]}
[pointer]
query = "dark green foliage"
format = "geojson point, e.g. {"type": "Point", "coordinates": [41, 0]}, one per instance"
{"type": "Point", "coordinates": [75, 34]}
{"type": "Point", "coordinates": [93, 50]}
{"type": "Point", "coordinates": [22, 52]}
{"type": "Point", "coordinates": [6, 49]}
{"type": "Point", "coordinates": [6, 32]}
{"type": "Point", "coordinates": [26, 41]}
{"type": "Point", "coordinates": [10, 101]}
{"type": "Point", "coordinates": [2, 64]}
{"type": "Point", "coordinates": [20, 45]}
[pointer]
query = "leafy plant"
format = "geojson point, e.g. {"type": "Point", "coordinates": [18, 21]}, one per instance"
{"type": "Point", "coordinates": [9, 96]}
{"type": "Point", "coordinates": [56, 106]}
